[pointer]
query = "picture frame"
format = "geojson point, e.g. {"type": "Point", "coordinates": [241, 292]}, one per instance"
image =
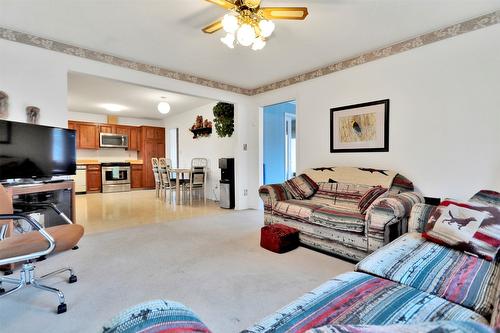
{"type": "Point", "coordinates": [360, 127]}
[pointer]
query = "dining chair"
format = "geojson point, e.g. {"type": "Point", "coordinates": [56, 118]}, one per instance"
{"type": "Point", "coordinates": [198, 177]}
{"type": "Point", "coordinates": [156, 174]}
{"type": "Point", "coordinates": [167, 182]}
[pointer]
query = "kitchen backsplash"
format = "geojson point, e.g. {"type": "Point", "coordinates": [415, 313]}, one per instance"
{"type": "Point", "coordinates": [106, 155]}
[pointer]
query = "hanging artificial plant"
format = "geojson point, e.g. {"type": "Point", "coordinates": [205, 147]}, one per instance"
{"type": "Point", "coordinates": [224, 119]}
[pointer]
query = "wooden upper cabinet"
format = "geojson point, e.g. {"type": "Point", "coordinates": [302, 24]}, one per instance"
{"type": "Point", "coordinates": [106, 129]}
{"type": "Point", "coordinates": [121, 129]}
{"type": "Point", "coordinates": [88, 136]}
{"type": "Point", "coordinates": [133, 138]}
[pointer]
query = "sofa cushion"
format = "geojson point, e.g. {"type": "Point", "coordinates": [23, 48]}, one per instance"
{"type": "Point", "coordinates": [439, 270]}
{"type": "Point", "coordinates": [357, 298]}
{"type": "Point", "coordinates": [466, 227]}
{"type": "Point", "coordinates": [369, 197]}
{"type": "Point", "coordinates": [339, 219]}
{"type": "Point", "coordinates": [299, 210]}
{"type": "Point", "coordinates": [344, 196]}
{"type": "Point", "coordinates": [486, 197]}
{"type": "Point", "coordinates": [429, 327]}
{"type": "Point", "coordinates": [301, 187]}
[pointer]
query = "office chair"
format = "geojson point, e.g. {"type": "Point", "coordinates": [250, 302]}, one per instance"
{"type": "Point", "coordinates": [29, 246]}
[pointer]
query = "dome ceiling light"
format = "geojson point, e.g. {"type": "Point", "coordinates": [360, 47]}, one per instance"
{"type": "Point", "coordinates": [248, 24]}
{"type": "Point", "coordinates": [163, 107]}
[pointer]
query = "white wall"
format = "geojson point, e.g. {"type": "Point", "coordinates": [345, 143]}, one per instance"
{"type": "Point", "coordinates": [444, 113]}
{"type": "Point", "coordinates": [212, 147]}
{"type": "Point", "coordinates": [35, 76]}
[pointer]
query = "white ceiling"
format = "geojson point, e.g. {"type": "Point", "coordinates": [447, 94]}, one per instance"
{"type": "Point", "coordinates": [167, 32]}
{"type": "Point", "coordinates": [87, 93]}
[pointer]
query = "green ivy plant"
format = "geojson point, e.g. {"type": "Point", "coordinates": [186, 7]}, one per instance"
{"type": "Point", "coordinates": [224, 119]}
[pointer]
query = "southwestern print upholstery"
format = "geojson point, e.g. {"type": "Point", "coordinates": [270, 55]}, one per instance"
{"type": "Point", "coordinates": [369, 197]}
{"type": "Point", "coordinates": [429, 327]}
{"type": "Point", "coordinates": [331, 219]}
{"type": "Point", "coordinates": [156, 316]}
{"type": "Point", "coordinates": [466, 227]}
{"type": "Point", "coordinates": [450, 274]}
{"type": "Point", "coordinates": [486, 197]}
{"type": "Point", "coordinates": [420, 214]}
{"type": "Point", "coordinates": [301, 187]}
{"type": "Point", "coordinates": [360, 299]}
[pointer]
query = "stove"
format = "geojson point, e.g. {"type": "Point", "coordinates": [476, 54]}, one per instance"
{"type": "Point", "coordinates": [115, 177]}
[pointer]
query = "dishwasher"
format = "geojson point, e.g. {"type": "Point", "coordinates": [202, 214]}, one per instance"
{"type": "Point", "coordinates": [81, 179]}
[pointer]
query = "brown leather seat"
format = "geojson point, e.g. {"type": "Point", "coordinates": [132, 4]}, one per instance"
{"type": "Point", "coordinates": [66, 237]}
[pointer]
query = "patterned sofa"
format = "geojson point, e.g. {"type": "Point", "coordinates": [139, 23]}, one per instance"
{"type": "Point", "coordinates": [409, 281]}
{"type": "Point", "coordinates": [331, 220]}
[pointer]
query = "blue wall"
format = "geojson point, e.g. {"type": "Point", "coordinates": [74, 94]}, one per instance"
{"type": "Point", "coordinates": [274, 141]}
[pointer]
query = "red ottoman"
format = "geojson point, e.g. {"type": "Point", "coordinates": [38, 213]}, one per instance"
{"type": "Point", "coordinates": [279, 238]}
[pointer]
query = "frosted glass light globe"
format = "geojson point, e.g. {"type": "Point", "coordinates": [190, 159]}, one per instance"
{"type": "Point", "coordinates": [228, 40]}
{"type": "Point", "coordinates": [246, 35]}
{"type": "Point", "coordinates": [266, 28]}
{"type": "Point", "coordinates": [163, 107]}
{"type": "Point", "coordinates": [230, 23]}
{"type": "Point", "coordinates": [258, 44]}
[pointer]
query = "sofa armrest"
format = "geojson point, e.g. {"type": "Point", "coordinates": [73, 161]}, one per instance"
{"type": "Point", "coordinates": [272, 193]}
{"type": "Point", "coordinates": [419, 216]}
{"type": "Point", "coordinates": [386, 218]}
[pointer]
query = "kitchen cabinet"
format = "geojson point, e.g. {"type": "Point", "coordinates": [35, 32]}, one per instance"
{"type": "Point", "coordinates": [87, 135]}
{"type": "Point", "coordinates": [152, 144]}
{"type": "Point", "coordinates": [133, 138]}
{"type": "Point", "coordinates": [121, 129]}
{"type": "Point", "coordinates": [93, 178]}
{"type": "Point", "coordinates": [136, 176]}
{"type": "Point", "coordinates": [106, 128]}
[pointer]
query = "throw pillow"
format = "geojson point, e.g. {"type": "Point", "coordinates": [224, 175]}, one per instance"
{"type": "Point", "coordinates": [466, 227]}
{"type": "Point", "coordinates": [301, 187]}
{"type": "Point", "coordinates": [369, 197]}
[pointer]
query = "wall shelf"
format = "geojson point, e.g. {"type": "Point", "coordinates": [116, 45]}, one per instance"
{"type": "Point", "coordinates": [204, 131]}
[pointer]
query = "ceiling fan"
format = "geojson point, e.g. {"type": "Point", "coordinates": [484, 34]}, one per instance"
{"type": "Point", "coordinates": [249, 24]}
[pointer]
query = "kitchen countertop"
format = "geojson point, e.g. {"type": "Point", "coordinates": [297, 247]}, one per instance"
{"type": "Point", "coordinates": [89, 162]}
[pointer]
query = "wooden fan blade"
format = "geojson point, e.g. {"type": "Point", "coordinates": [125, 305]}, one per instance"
{"type": "Point", "coordinates": [213, 27]}
{"type": "Point", "coordinates": [284, 13]}
{"type": "Point", "coordinates": [223, 3]}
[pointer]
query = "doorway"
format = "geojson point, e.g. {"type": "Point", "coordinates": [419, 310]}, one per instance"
{"type": "Point", "coordinates": [279, 142]}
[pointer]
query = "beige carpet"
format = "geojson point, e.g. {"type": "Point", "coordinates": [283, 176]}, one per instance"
{"type": "Point", "coordinates": [213, 265]}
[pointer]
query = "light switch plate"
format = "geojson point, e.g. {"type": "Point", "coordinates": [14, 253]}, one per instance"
{"type": "Point", "coordinates": [245, 146]}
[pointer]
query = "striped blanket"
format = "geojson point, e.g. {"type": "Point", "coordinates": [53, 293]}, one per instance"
{"type": "Point", "coordinates": [361, 299]}
{"type": "Point", "coordinates": [439, 270]}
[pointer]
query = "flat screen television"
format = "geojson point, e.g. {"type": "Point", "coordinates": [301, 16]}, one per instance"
{"type": "Point", "coordinates": [35, 151]}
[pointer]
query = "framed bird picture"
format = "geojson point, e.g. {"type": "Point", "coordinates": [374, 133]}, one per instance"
{"type": "Point", "coordinates": [360, 128]}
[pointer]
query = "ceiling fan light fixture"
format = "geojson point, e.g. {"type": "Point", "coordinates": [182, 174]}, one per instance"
{"type": "Point", "coordinates": [228, 40]}
{"type": "Point", "coordinates": [163, 107]}
{"type": "Point", "coordinates": [258, 44]}
{"type": "Point", "coordinates": [266, 28]}
{"type": "Point", "coordinates": [230, 23]}
{"type": "Point", "coordinates": [246, 35]}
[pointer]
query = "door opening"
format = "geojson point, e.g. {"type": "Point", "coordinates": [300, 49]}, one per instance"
{"type": "Point", "coordinates": [173, 146]}
{"type": "Point", "coordinates": [279, 142]}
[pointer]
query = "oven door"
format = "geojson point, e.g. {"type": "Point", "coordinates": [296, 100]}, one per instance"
{"type": "Point", "coordinates": [115, 175]}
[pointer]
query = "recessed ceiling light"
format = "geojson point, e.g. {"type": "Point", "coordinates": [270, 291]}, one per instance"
{"type": "Point", "coordinates": [113, 107]}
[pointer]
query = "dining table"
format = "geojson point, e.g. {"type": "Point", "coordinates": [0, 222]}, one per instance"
{"type": "Point", "coordinates": [179, 174]}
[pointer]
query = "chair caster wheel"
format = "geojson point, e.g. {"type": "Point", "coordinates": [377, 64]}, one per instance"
{"type": "Point", "coordinates": [8, 272]}
{"type": "Point", "coordinates": [62, 308]}
{"type": "Point", "coordinates": [42, 258]}
{"type": "Point", "coordinates": [72, 279]}
{"type": "Point", "coordinates": [2, 291]}
{"type": "Point", "coordinates": [75, 248]}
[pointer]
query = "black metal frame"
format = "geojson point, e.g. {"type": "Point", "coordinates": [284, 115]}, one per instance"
{"type": "Point", "coordinates": [361, 150]}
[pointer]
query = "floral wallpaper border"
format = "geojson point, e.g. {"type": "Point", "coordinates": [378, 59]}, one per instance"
{"type": "Point", "coordinates": [422, 40]}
